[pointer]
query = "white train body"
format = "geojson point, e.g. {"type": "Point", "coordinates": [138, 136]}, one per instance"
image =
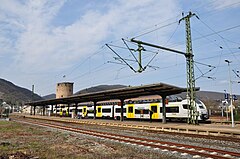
{"type": "Point", "coordinates": [136, 110]}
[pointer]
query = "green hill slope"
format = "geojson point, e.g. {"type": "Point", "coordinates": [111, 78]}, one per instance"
{"type": "Point", "coordinates": [15, 95]}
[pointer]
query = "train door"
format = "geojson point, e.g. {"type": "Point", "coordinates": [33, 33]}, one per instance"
{"type": "Point", "coordinates": [84, 111]}
{"type": "Point", "coordinates": [130, 111]}
{"type": "Point", "coordinates": [154, 108]}
{"type": "Point", "coordinates": [60, 112]}
{"type": "Point", "coordinates": [99, 112]}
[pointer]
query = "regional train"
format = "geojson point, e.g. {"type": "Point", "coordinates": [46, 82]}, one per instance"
{"type": "Point", "coordinates": [137, 109]}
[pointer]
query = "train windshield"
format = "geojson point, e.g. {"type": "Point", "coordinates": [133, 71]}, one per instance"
{"type": "Point", "coordinates": [200, 104]}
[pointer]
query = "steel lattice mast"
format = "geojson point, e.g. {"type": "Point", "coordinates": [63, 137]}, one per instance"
{"type": "Point", "coordinates": [191, 94]}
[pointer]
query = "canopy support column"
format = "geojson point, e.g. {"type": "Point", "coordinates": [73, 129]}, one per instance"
{"type": "Point", "coordinates": [34, 110]}
{"type": "Point", "coordinates": [76, 109]}
{"type": "Point", "coordinates": [44, 108]}
{"type": "Point", "coordinates": [51, 109]}
{"type": "Point", "coordinates": [68, 110]}
{"type": "Point", "coordinates": [56, 110]}
{"type": "Point", "coordinates": [94, 106]}
{"type": "Point", "coordinates": [122, 113]}
{"type": "Point", "coordinates": [163, 109]}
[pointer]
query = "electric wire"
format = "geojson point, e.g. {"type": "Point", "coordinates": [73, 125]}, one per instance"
{"type": "Point", "coordinates": [204, 36]}
{"type": "Point", "coordinates": [221, 38]}
{"type": "Point", "coordinates": [160, 28]}
{"type": "Point", "coordinates": [148, 32]}
{"type": "Point", "coordinates": [132, 54]}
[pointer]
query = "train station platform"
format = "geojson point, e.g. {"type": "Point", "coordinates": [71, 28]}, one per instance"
{"type": "Point", "coordinates": [201, 129]}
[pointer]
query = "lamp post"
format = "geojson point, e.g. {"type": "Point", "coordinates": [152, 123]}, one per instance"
{"type": "Point", "coordinates": [230, 88]}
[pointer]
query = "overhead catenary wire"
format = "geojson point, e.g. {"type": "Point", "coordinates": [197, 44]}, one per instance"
{"type": "Point", "coordinates": [236, 73]}
{"type": "Point", "coordinates": [203, 74]}
{"type": "Point", "coordinates": [208, 38]}
{"type": "Point", "coordinates": [220, 37]}
{"type": "Point", "coordinates": [148, 32]}
{"type": "Point", "coordinates": [121, 58]}
{"type": "Point", "coordinates": [125, 48]}
{"type": "Point", "coordinates": [207, 35]}
{"type": "Point", "coordinates": [130, 50]}
{"type": "Point", "coordinates": [226, 29]}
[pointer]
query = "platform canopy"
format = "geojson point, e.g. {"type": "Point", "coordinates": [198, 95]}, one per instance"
{"type": "Point", "coordinates": [120, 93]}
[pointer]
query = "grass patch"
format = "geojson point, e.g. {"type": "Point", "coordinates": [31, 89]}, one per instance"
{"type": "Point", "coordinates": [23, 139]}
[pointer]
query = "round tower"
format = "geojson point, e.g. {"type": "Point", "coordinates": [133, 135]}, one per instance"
{"type": "Point", "coordinates": [64, 89]}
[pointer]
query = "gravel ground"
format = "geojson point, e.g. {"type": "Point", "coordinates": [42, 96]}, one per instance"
{"type": "Point", "coordinates": [28, 141]}
{"type": "Point", "coordinates": [203, 142]}
{"type": "Point", "coordinates": [37, 142]}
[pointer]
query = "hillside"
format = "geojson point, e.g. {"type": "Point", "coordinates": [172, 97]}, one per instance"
{"type": "Point", "coordinates": [100, 88]}
{"type": "Point", "coordinates": [13, 94]}
{"type": "Point", "coordinates": [50, 96]}
{"type": "Point", "coordinates": [207, 95]}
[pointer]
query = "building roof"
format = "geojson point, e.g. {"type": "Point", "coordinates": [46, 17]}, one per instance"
{"type": "Point", "coordinates": [120, 93]}
{"type": "Point", "coordinates": [65, 83]}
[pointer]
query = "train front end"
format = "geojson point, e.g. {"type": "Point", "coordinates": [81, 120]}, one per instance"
{"type": "Point", "coordinates": [202, 109]}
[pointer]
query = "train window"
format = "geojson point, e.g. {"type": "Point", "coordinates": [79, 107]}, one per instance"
{"type": "Point", "coordinates": [99, 110]}
{"type": "Point", "coordinates": [80, 110]}
{"type": "Point", "coordinates": [145, 111]}
{"type": "Point", "coordinates": [154, 109]}
{"type": "Point", "coordinates": [106, 110]}
{"type": "Point", "coordinates": [185, 106]}
{"type": "Point", "coordinates": [201, 106]}
{"type": "Point", "coordinates": [118, 110]}
{"type": "Point", "coordinates": [90, 111]}
{"type": "Point", "coordinates": [137, 111]}
{"type": "Point", "coordinates": [170, 109]}
{"type": "Point", "coordinates": [70, 110]}
{"type": "Point", "coordinates": [130, 109]}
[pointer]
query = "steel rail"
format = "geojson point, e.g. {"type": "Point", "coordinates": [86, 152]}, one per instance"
{"type": "Point", "coordinates": [194, 150]}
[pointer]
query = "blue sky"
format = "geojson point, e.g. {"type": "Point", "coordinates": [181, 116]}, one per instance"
{"type": "Point", "coordinates": [43, 42]}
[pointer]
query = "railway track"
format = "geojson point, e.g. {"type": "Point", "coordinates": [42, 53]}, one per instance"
{"type": "Point", "coordinates": [194, 151]}
{"type": "Point", "coordinates": [188, 132]}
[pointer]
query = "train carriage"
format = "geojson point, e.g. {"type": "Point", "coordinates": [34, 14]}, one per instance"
{"type": "Point", "coordinates": [138, 109]}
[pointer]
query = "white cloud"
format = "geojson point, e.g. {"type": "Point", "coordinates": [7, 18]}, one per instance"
{"type": "Point", "coordinates": [37, 45]}
{"type": "Point", "coordinates": [225, 4]}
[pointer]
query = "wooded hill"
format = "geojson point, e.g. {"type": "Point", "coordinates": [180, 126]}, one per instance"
{"type": "Point", "coordinates": [15, 95]}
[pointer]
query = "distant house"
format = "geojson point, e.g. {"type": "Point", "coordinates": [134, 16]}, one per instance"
{"type": "Point", "coordinates": [26, 109]}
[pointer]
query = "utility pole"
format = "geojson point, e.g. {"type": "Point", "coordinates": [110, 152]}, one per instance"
{"type": "Point", "coordinates": [230, 89]}
{"type": "Point", "coordinates": [191, 94]}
